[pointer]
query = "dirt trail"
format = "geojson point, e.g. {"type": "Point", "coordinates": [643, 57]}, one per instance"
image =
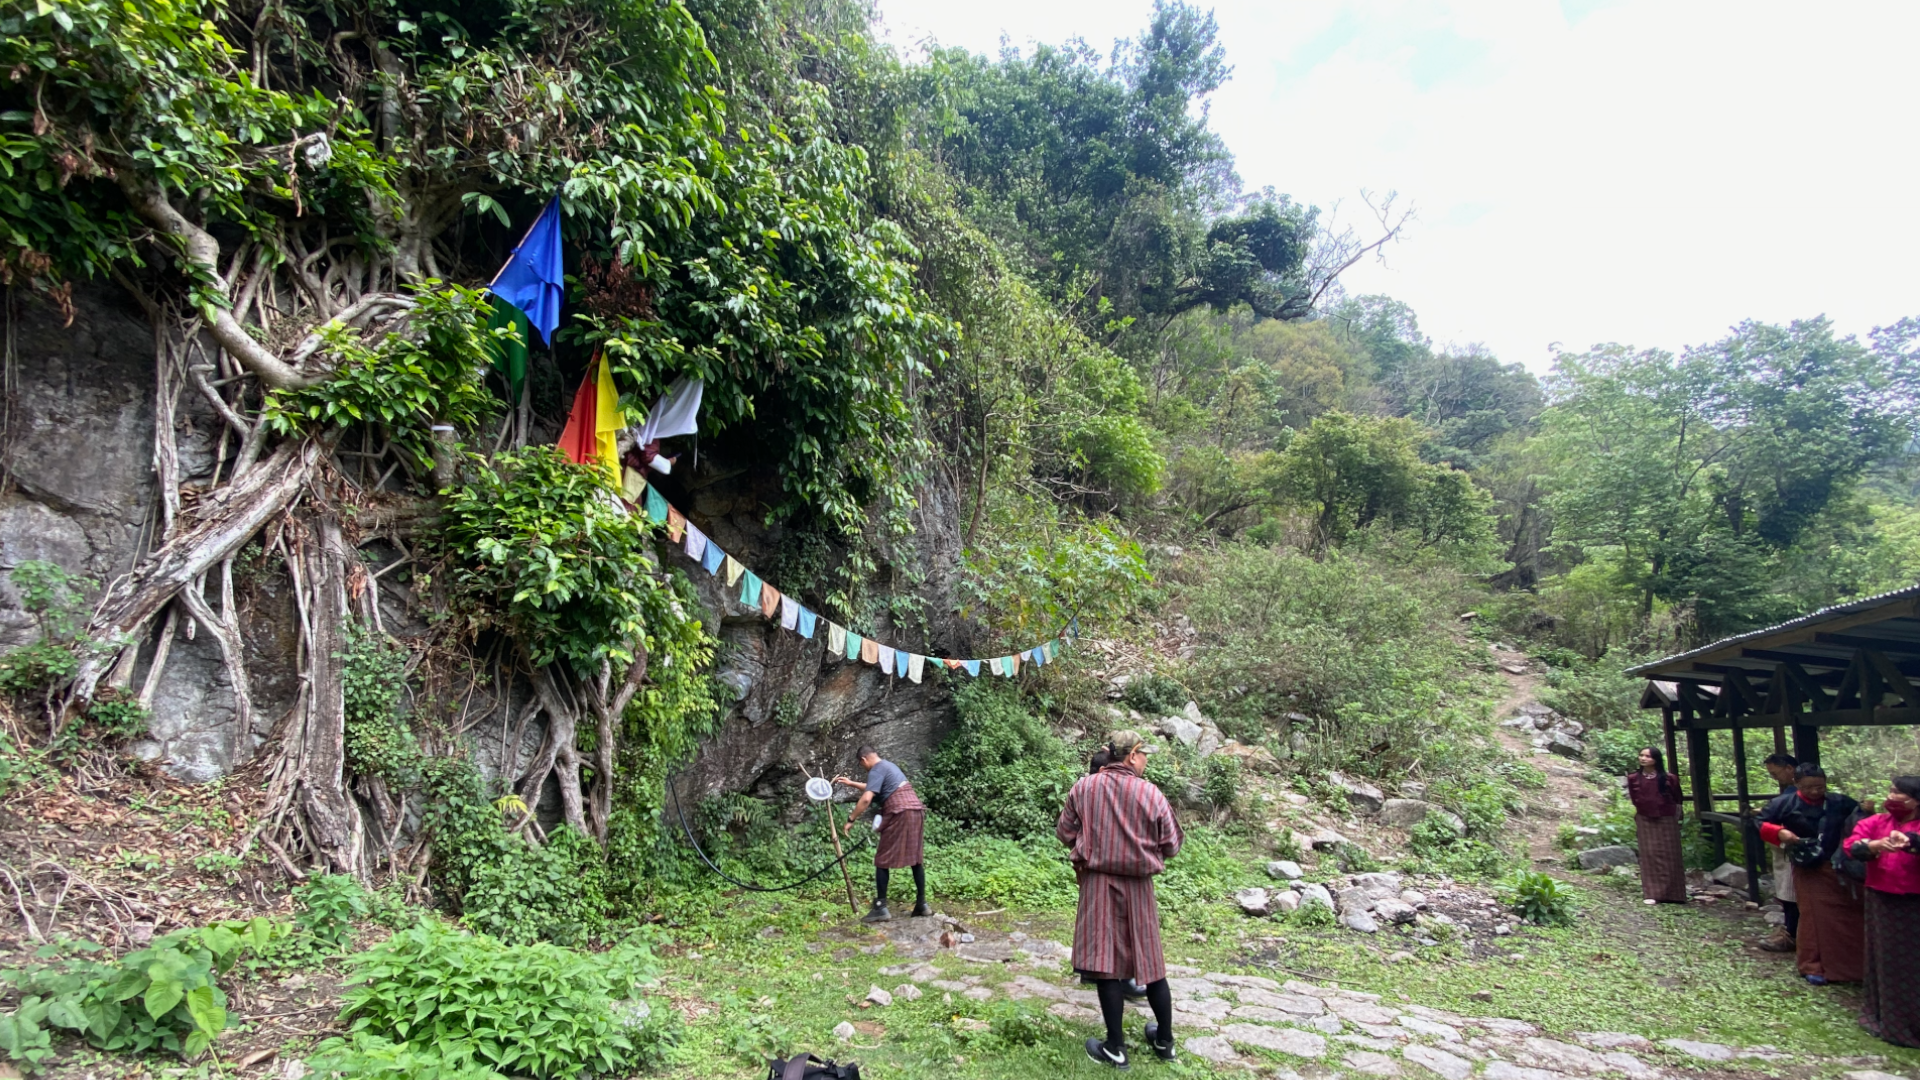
{"type": "Point", "coordinates": [1569, 790]}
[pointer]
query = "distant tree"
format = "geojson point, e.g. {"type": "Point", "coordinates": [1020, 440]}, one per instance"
{"type": "Point", "coordinates": [1353, 472]}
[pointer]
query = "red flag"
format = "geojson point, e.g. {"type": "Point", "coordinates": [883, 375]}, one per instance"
{"type": "Point", "coordinates": [580, 440]}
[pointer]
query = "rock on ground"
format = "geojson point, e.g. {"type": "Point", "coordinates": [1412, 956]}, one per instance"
{"type": "Point", "coordinates": [1283, 1040]}
{"type": "Point", "coordinates": [1284, 870]}
{"type": "Point", "coordinates": [1252, 901]}
{"type": "Point", "coordinates": [843, 1031]}
{"type": "Point", "coordinates": [879, 997]}
{"type": "Point", "coordinates": [1448, 1066]}
{"type": "Point", "coordinates": [1363, 797]}
{"type": "Point", "coordinates": [1359, 922]}
{"type": "Point", "coordinates": [1702, 1050]}
{"type": "Point", "coordinates": [1212, 1048]}
{"type": "Point", "coordinates": [1733, 877]}
{"type": "Point", "coordinates": [1611, 855]}
{"type": "Point", "coordinates": [1371, 1063]}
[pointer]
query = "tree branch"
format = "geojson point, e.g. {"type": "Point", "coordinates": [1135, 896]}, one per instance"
{"type": "Point", "coordinates": [202, 252]}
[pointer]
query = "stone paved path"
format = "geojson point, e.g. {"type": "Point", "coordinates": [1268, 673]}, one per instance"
{"type": "Point", "coordinates": [1294, 1030]}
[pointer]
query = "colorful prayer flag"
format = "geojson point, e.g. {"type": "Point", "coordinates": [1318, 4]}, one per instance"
{"type": "Point", "coordinates": [972, 666]}
{"type": "Point", "coordinates": [750, 589]}
{"type": "Point", "coordinates": [713, 558]}
{"type": "Point", "coordinates": [656, 506]}
{"type": "Point", "coordinates": [696, 545]}
{"type": "Point", "coordinates": [769, 601]}
{"type": "Point", "coordinates": [993, 665]}
{"type": "Point", "coordinates": [734, 570]}
{"type": "Point", "coordinates": [509, 351]}
{"type": "Point", "coordinates": [806, 623]}
{"type": "Point", "coordinates": [916, 665]}
{"type": "Point", "coordinates": [836, 638]}
{"type": "Point", "coordinates": [869, 651]}
{"type": "Point", "coordinates": [789, 613]}
{"type": "Point", "coordinates": [676, 523]}
{"type": "Point", "coordinates": [885, 659]}
{"type": "Point", "coordinates": [856, 648]}
{"type": "Point", "coordinates": [534, 277]}
{"type": "Point", "coordinates": [676, 413]}
{"type": "Point", "coordinates": [594, 423]}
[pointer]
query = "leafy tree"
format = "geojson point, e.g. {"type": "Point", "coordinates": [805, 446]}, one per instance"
{"type": "Point", "coordinates": [1703, 473]}
{"type": "Point", "coordinates": [1349, 473]}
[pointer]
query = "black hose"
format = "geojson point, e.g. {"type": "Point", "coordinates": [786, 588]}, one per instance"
{"type": "Point", "coordinates": [695, 844]}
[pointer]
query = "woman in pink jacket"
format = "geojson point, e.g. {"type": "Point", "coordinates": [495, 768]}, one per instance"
{"type": "Point", "coordinates": [1889, 843]}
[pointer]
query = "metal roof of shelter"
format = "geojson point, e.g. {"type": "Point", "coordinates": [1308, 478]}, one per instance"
{"type": "Point", "coordinates": [1823, 640]}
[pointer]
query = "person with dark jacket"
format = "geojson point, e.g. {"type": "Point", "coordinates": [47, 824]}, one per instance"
{"type": "Point", "coordinates": [1809, 823]}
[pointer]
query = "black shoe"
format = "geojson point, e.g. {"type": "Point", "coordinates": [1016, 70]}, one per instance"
{"type": "Point", "coordinates": [1161, 1050]}
{"type": "Point", "coordinates": [1097, 1050]}
{"type": "Point", "coordinates": [1133, 991]}
{"type": "Point", "coordinates": [879, 913]}
{"type": "Point", "coordinates": [921, 910]}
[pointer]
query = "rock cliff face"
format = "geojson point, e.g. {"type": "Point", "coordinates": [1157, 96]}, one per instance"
{"type": "Point", "coordinates": [80, 491]}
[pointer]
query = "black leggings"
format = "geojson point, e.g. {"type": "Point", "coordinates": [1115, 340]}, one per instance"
{"type": "Point", "coordinates": [1113, 1009]}
{"type": "Point", "coordinates": [881, 874]}
{"type": "Point", "coordinates": [1792, 911]}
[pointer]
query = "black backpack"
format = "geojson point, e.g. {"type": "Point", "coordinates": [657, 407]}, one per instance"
{"type": "Point", "coordinates": [808, 1067]}
{"type": "Point", "coordinates": [1849, 868]}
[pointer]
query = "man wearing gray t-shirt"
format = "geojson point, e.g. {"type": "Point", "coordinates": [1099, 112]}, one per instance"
{"type": "Point", "coordinates": [902, 822]}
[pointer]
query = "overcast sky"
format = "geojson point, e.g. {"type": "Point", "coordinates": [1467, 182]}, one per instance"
{"type": "Point", "coordinates": [1640, 171]}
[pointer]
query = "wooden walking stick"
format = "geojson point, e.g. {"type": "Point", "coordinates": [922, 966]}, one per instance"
{"type": "Point", "coordinates": [820, 789]}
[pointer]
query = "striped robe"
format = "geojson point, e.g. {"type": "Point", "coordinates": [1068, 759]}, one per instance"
{"type": "Point", "coordinates": [1121, 832]}
{"type": "Point", "coordinates": [903, 822]}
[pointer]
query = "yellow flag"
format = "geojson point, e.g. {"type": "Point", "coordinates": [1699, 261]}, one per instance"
{"type": "Point", "coordinates": [607, 421]}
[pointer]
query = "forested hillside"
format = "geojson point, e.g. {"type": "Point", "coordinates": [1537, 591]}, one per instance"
{"type": "Point", "coordinates": [996, 351]}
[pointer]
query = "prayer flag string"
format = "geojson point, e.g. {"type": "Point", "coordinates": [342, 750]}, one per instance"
{"type": "Point", "coordinates": [842, 641]}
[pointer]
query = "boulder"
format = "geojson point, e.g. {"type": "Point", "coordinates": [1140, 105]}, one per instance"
{"type": "Point", "coordinates": [1360, 922]}
{"type": "Point", "coordinates": [1379, 885]}
{"type": "Point", "coordinates": [1253, 901]}
{"type": "Point", "coordinates": [1404, 813]}
{"type": "Point", "coordinates": [1316, 894]}
{"type": "Point", "coordinates": [1257, 758]}
{"type": "Point", "coordinates": [1413, 897]}
{"type": "Point", "coordinates": [1354, 899]}
{"type": "Point", "coordinates": [1733, 877]}
{"type": "Point", "coordinates": [1571, 727]}
{"type": "Point", "coordinates": [1566, 746]}
{"type": "Point", "coordinates": [1534, 708]}
{"type": "Point", "coordinates": [1191, 710]}
{"type": "Point", "coordinates": [1602, 857]}
{"type": "Point", "coordinates": [1284, 870]}
{"type": "Point", "coordinates": [1524, 722]}
{"type": "Point", "coordinates": [1362, 796]}
{"type": "Point", "coordinates": [1179, 728]}
{"type": "Point", "coordinates": [1208, 744]}
{"type": "Point", "coordinates": [1325, 840]}
{"type": "Point", "coordinates": [1286, 900]}
{"type": "Point", "coordinates": [879, 997]}
{"type": "Point", "coordinates": [1393, 911]}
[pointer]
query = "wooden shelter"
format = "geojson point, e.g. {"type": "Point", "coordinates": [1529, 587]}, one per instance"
{"type": "Point", "coordinates": [1849, 665]}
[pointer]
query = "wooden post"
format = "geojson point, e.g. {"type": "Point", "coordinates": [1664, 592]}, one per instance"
{"type": "Point", "coordinates": [1806, 743]}
{"type": "Point", "coordinates": [1749, 832]}
{"type": "Point", "coordinates": [846, 875]}
{"type": "Point", "coordinates": [1673, 753]}
{"type": "Point", "coordinates": [1700, 777]}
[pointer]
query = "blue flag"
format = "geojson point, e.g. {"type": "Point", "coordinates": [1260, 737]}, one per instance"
{"type": "Point", "coordinates": [714, 558]}
{"type": "Point", "coordinates": [807, 621]}
{"type": "Point", "coordinates": [533, 280]}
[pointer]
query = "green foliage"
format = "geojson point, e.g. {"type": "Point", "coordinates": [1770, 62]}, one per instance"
{"type": "Point", "coordinates": [1155, 694]}
{"type": "Point", "coordinates": [369, 1057]}
{"type": "Point", "coordinates": [57, 600]}
{"type": "Point", "coordinates": [372, 680]}
{"type": "Point", "coordinates": [1221, 783]}
{"type": "Point", "coordinates": [1693, 480]}
{"type": "Point", "coordinates": [1539, 898]}
{"type": "Point", "coordinates": [406, 382]}
{"type": "Point", "coordinates": [164, 996]}
{"type": "Point", "coordinates": [1029, 589]}
{"type": "Point", "coordinates": [540, 548]}
{"type": "Point", "coordinates": [555, 892]}
{"type": "Point", "coordinates": [328, 906]}
{"type": "Point", "coordinates": [218, 864]}
{"type": "Point", "coordinates": [1436, 848]}
{"type": "Point", "coordinates": [1352, 473]}
{"type": "Point", "coordinates": [534, 1010]}
{"type": "Point", "coordinates": [1001, 770]}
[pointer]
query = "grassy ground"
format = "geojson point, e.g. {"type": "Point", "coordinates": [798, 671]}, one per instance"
{"type": "Point", "coordinates": [1664, 972]}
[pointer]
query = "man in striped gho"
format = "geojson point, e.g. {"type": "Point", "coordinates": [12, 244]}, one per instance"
{"type": "Point", "coordinates": [1121, 832]}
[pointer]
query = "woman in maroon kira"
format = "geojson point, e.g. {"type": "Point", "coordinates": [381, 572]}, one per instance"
{"type": "Point", "coordinates": [1121, 832]}
{"type": "Point", "coordinates": [1656, 818]}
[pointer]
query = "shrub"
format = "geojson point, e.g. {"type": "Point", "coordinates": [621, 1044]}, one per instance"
{"type": "Point", "coordinates": [537, 1010]}
{"type": "Point", "coordinates": [1539, 898]}
{"type": "Point", "coordinates": [164, 996]}
{"type": "Point", "coordinates": [369, 1057]}
{"type": "Point", "coordinates": [328, 907]}
{"type": "Point", "coordinates": [1156, 695]}
{"type": "Point", "coordinates": [1221, 787]}
{"type": "Point", "coordinates": [1001, 770]}
{"type": "Point", "coordinates": [555, 892]}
